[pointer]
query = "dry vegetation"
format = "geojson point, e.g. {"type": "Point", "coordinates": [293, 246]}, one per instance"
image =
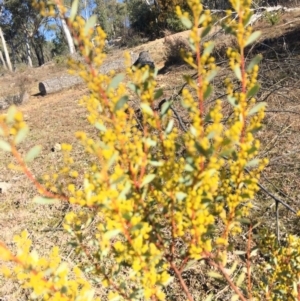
{"type": "Point", "coordinates": [54, 119]}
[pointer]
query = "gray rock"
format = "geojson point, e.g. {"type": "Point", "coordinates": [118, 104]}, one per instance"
{"type": "Point", "coordinates": [143, 60]}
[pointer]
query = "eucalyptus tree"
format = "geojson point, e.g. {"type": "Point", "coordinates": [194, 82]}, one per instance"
{"type": "Point", "coordinates": [22, 24]}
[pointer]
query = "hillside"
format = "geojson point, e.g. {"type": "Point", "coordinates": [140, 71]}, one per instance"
{"type": "Point", "coordinates": [55, 118]}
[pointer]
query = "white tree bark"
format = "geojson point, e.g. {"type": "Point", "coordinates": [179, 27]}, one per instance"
{"type": "Point", "coordinates": [68, 36]}
{"type": "Point", "coordinates": [5, 51]}
{"type": "Point", "coordinates": [28, 50]}
{"type": "Point", "coordinates": [2, 60]}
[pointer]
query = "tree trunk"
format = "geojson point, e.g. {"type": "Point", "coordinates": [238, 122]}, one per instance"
{"type": "Point", "coordinates": [68, 35]}
{"type": "Point", "coordinates": [2, 60]}
{"type": "Point", "coordinates": [59, 83]}
{"type": "Point", "coordinates": [28, 51]}
{"type": "Point", "coordinates": [5, 51]}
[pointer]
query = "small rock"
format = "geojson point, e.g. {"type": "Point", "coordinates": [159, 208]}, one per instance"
{"type": "Point", "coordinates": [4, 187]}
{"type": "Point", "coordinates": [56, 148]}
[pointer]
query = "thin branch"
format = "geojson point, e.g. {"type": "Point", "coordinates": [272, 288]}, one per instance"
{"type": "Point", "coordinates": [227, 277]}
{"type": "Point", "coordinates": [183, 285]}
{"type": "Point", "coordinates": [276, 199]}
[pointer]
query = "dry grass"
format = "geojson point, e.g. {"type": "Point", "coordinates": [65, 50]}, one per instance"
{"type": "Point", "coordinates": [55, 118]}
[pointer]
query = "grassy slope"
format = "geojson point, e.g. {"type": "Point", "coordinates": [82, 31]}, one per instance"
{"type": "Point", "coordinates": [55, 118]}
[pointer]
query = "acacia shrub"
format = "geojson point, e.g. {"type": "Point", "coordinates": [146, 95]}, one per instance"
{"type": "Point", "coordinates": [143, 213]}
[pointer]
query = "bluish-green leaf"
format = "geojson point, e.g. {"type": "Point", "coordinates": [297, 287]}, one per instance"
{"type": "Point", "coordinates": [156, 163]}
{"type": "Point", "coordinates": [232, 100]}
{"type": "Point", "coordinates": [207, 92]}
{"type": "Point", "coordinates": [74, 10]}
{"type": "Point", "coordinates": [158, 93]}
{"type": "Point", "coordinates": [115, 81]}
{"type": "Point", "coordinates": [256, 108]}
{"type": "Point", "coordinates": [255, 61]}
{"type": "Point", "coordinates": [5, 146]}
{"type": "Point", "coordinates": [10, 115]}
{"type": "Point", "coordinates": [253, 91]}
{"type": "Point", "coordinates": [148, 178]}
{"type": "Point", "coordinates": [211, 75]}
{"type": "Point", "coordinates": [33, 153]}
{"type": "Point", "coordinates": [253, 163]}
{"type": "Point", "coordinates": [101, 127]}
{"type": "Point", "coordinates": [253, 37]}
{"type": "Point", "coordinates": [186, 22]}
{"type": "Point", "coordinates": [205, 31]}
{"type": "Point", "coordinates": [112, 233]}
{"type": "Point", "coordinates": [120, 103]}
{"type": "Point", "coordinates": [45, 201]}
{"type": "Point", "coordinates": [21, 135]}
{"type": "Point", "coordinates": [165, 107]}
{"type": "Point", "coordinates": [169, 126]}
{"type": "Point", "coordinates": [209, 48]}
{"type": "Point", "coordinates": [90, 23]}
{"type": "Point", "coordinates": [147, 109]}
{"type": "Point", "coordinates": [238, 72]}
{"type": "Point", "coordinates": [112, 160]}
{"type": "Point", "coordinates": [180, 195]}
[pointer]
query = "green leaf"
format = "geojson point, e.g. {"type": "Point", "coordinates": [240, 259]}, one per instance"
{"type": "Point", "coordinates": [170, 126]}
{"type": "Point", "coordinates": [256, 108]}
{"type": "Point", "coordinates": [186, 22]}
{"type": "Point", "coordinates": [156, 163]}
{"type": "Point", "coordinates": [90, 23]}
{"type": "Point", "coordinates": [112, 233]}
{"type": "Point", "coordinates": [255, 61]}
{"type": "Point", "coordinates": [115, 81]}
{"type": "Point", "coordinates": [112, 160]}
{"type": "Point", "coordinates": [253, 91]}
{"type": "Point", "coordinates": [247, 19]}
{"type": "Point", "coordinates": [11, 112]}
{"type": "Point", "coordinates": [238, 72]}
{"type": "Point", "coordinates": [202, 18]}
{"type": "Point", "coordinates": [120, 103]}
{"type": "Point", "coordinates": [45, 201]}
{"type": "Point", "coordinates": [149, 142]}
{"type": "Point", "coordinates": [180, 195]}
{"type": "Point", "coordinates": [240, 280]}
{"type": "Point", "coordinates": [165, 107]}
{"type": "Point", "coordinates": [149, 178]}
{"type": "Point", "coordinates": [21, 135]}
{"type": "Point", "coordinates": [253, 163]}
{"type": "Point", "coordinates": [158, 93]}
{"type": "Point", "coordinates": [253, 37]}
{"type": "Point", "coordinates": [232, 100]}
{"type": "Point", "coordinates": [205, 31]}
{"type": "Point", "coordinates": [125, 191]}
{"type": "Point", "coordinates": [33, 153]}
{"type": "Point", "coordinates": [5, 146]}
{"type": "Point", "coordinates": [145, 75]}
{"type": "Point", "coordinates": [74, 10]}
{"type": "Point", "coordinates": [147, 109]}
{"type": "Point", "coordinates": [101, 127]}
{"type": "Point", "coordinates": [208, 49]}
{"type": "Point", "coordinates": [207, 92]}
{"type": "Point", "coordinates": [214, 274]}
{"type": "Point", "coordinates": [211, 75]}
{"type": "Point", "coordinates": [192, 45]}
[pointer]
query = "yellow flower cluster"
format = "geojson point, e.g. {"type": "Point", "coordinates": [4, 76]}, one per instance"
{"type": "Point", "coordinates": [281, 270]}
{"type": "Point", "coordinates": [48, 278]}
